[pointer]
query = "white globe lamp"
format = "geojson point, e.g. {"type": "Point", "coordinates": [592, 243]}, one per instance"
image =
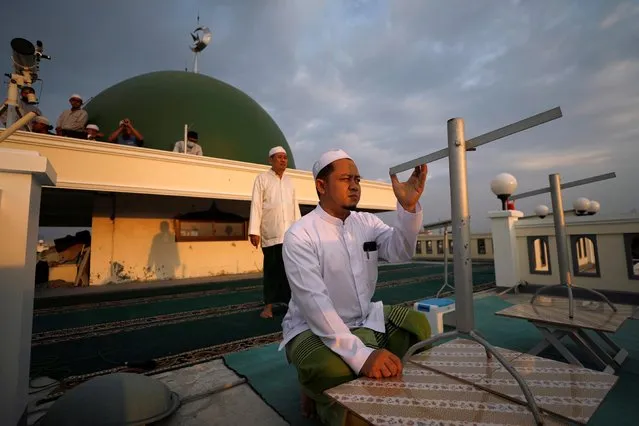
{"type": "Point", "coordinates": [542, 211]}
{"type": "Point", "coordinates": [581, 206]}
{"type": "Point", "coordinates": [593, 207]}
{"type": "Point", "coordinates": [503, 186]}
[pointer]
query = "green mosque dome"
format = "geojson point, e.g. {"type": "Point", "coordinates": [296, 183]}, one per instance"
{"type": "Point", "coordinates": [230, 124]}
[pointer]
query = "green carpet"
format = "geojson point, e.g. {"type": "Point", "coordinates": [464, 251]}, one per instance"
{"type": "Point", "coordinates": [161, 328]}
{"type": "Point", "coordinates": [276, 381]}
{"type": "Point", "coordinates": [105, 308]}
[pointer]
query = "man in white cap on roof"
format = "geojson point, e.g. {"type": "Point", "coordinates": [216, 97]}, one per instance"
{"type": "Point", "coordinates": [72, 121]}
{"type": "Point", "coordinates": [333, 332]}
{"type": "Point", "coordinates": [40, 124]}
{"type": "Point", "coordinates": [126, 134]}
{"type": "Point", "coordinates": [274, 209]}
{"type": "Point", "coordinates": [93, 132]}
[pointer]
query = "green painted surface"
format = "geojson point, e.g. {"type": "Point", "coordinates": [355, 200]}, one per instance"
{"type": "Point", "coordinates": [95, 352]}
{"type": "Point", "coordinates": [230, 124]}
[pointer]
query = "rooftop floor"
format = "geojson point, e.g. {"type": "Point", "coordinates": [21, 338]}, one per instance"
{"type": "Point", "coordinates": [256, 385]}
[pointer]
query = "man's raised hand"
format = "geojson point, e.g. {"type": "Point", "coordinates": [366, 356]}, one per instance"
{"type": "Point", "coordinates": [408, 193]}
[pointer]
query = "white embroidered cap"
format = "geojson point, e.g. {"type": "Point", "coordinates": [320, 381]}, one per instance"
{"type": "Point", "coordinates": [276, 150]}
{"type": "Point", "coordinates": [93, 126]}
{"type": "Point", "coordinates": [76, 96]}
{"type": "Point", "coordinates": [41, 119]}
{"type": "Point", "coordinates": [327, 158]}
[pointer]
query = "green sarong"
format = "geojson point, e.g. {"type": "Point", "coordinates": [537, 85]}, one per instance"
{"type": "Point", "coordinates": [319, 368]}
{"type": "Point", "coordinates": [276, 287]}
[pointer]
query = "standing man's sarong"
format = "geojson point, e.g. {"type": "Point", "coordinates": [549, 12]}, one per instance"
{"type": "Point", "coordinates": [276, 287]}
{"type": "Point", "coordinates": [319, 368]}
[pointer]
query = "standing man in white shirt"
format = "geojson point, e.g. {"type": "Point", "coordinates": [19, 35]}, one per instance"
{"type": "Point", "coordinates": [274, 209]}
{"type": "Point", "coordinates": [333, 332]}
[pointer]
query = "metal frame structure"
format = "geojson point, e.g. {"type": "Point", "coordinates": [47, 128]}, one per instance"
{"type": "Point", "coordinates": [462, 264]}
{"type": "Point", "coordinates": [443, 224]}
{"type": "Point", "coordinates": [565, 277]}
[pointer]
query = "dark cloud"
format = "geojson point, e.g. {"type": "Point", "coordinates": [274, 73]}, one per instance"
{"type": "Point", "coordinates": [381, 78]}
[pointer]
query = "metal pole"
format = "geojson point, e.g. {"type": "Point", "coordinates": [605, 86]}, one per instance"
{"type": "Point", "coordinates": [462, 266]}
{"type": "Point", "coordinates": [17, 125]}
{"type": "Point", "coordinates": [560, 237]}
{"type": "Point", "coordinates": [446, 256]}
{"type": "Point", "coordinates": [445, 245]}
{"type": "Point", "coordinates": [186, 132]}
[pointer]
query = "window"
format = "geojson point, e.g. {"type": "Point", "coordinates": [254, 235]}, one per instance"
{"type": "Point", "coordinates": [440, 246]}
{"type": "Point", "coordinates": [585, 258]}
{"type": "Point", "coordinates": [481, 246]}
{"type": "Point", "coordinates": [418, 248]}
{"type": "Point", "coordinates": [210, 230]}
{"type": "Point", "coordinates": [538, 258]}
{"type": "Point", "coordinates": [450, 246]}
{"type": "Point", "coordinates": [429, 247]}
{"type": "Point", "coordinates": [631, 241]}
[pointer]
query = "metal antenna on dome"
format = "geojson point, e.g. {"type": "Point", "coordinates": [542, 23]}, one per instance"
{"type": "Point", "coordinates": [201, 38]}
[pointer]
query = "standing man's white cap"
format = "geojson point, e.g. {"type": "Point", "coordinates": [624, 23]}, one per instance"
{"type": "Point", "coordinates": [327, 158]}
{"type": "Point", "coordinates": [76, 96]}
{"type": "Point", "coordinates": [276, 150]}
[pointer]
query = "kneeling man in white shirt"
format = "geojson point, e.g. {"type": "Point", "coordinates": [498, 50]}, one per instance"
{"type": "Point", "coordinates": [333, 332]}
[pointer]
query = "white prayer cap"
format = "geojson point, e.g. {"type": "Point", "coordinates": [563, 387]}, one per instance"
{"type": "Point", "coordinates": [327, 158]}
{"type": "Point", "coordinates": [276, 150]}
{"type": "Point", "coordinates": [76, 96]}
{"type": "Point", "coordinates": [41, 119]}
{"type": "Point", "coordinates": [93, 126]}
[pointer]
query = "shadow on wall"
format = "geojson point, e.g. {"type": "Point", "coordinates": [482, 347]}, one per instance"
{"type": "Point", "coordinates": [164, 258]}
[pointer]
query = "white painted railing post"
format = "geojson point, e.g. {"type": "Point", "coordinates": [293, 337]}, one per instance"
{"type": "Point", "coordinates": [506, 253]}
{"type": "Point", "coordinates": [22, 175]}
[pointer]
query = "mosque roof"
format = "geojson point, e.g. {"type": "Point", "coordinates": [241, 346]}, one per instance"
{"type": "Point", "coordinates": [230, 124]}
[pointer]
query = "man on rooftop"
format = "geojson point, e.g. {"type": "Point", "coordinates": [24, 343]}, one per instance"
{"type": "Point", "coordinates": [192, 145]}
{"type": "Point", "coordinates": [126, 134]}
{"type": "Point", "coordinates": [274, 209]}
{"type": "Point", "coordinates": [72, 121]}
{"type": "Point", "coordinates": [333, 332]}
{"type": "Point", "coordinates": [40, 124]}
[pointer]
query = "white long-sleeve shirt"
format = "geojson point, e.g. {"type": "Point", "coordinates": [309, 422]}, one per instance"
{"type": "Point", "coordinates": [333, 278]}
{"type": "Point", "coordinates": [73, 119]}
{"type": "Point", "coordinates": [191, 148]}
{"type": "Point", "coordinates": [274, 208]}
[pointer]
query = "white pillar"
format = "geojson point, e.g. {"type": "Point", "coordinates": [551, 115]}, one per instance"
{"type": "Point", "coordinates": [506, 254]}
{"type": "Point", "coordinates": [22, 174]}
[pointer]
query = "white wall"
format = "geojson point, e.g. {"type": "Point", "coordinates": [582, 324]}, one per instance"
{"type": "Point", "coordinates": [611, 253]}
{"type": "Point", "coordinates": [139, 243]}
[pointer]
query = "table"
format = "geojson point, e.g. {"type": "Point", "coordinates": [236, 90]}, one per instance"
{"type": "Point", "coordinates": [455, 382]}
{"type": "Point", "coordinates": [553, 323]}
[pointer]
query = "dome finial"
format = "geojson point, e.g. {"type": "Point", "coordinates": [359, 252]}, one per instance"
{"type": "Point", "coordinates": [201, 38]}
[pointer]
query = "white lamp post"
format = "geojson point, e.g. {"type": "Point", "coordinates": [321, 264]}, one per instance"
{"type": "Point", "coordinates": [503, 186]}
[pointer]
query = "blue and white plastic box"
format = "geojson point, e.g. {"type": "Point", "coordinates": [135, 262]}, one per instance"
{"type": "Point", "coordinates": [434, 310]}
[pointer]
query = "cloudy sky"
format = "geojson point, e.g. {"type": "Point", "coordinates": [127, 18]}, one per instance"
{"type": "Point", "coordinates": [381, 78]}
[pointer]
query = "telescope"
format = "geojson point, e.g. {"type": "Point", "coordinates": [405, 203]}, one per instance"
{"type": "Point", "coordinates": [26, 58]}
{"type": "Point", "coordinates": [26, 63]}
